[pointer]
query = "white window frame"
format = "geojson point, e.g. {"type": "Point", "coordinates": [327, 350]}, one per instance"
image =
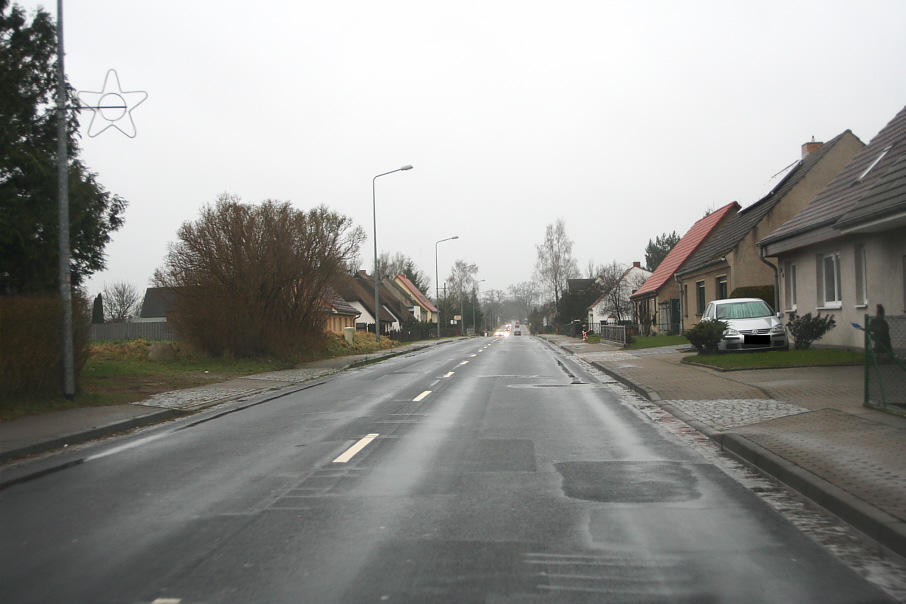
{"type": "Point", "coordinates": [829, 276]}
{"type": "Point", "coordinates": [789, 285]}
{"type": "Point", "coordinates": [861, 276]}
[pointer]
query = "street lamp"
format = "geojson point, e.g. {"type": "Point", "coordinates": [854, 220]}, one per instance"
{"type": "Point", "coordinates": [377, 302]}
{"type": "Point", "coordinates": [437, 281]}
{"type": "Point", "coordinates": [474, 301]}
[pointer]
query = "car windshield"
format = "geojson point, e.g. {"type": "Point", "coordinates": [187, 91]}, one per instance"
{"type": "Point", "coordinates": [744, 310]}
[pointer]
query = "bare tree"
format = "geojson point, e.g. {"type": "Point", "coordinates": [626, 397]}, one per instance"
{"type": "Point", "coordinates": [555, 263]}
{"type": "Point", "coordinates": [618, 284]}
{"type": "Point", "coordinates": [525, 297]}
{"type": "Point", "coordinates": [122, 302]}
{"type": "Point", "coordinates": [251, 279]}
{"type": "Point", "coordinates": [462, 279]}
{"type": "Point", "coordinates": [401, 264]}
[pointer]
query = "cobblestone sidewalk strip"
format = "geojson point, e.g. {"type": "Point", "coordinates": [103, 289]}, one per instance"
{"type": "Point", "coordinates": [725, 414]}
{"type": "Point", "coordinates": [191, 398]}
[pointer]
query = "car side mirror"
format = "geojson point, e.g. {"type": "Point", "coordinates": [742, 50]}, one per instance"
{"type": "Point", "coordinates": [780, 315]}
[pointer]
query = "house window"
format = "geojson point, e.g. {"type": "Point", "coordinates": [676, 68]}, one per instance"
{"type": "Point", "coordinates": [829, 280]}
{"type": "Point", "coordinates": [700, 297]}
{"type": "Point", "coordinates": [721, 288]}
{"type": "Point", "coordinates": [789, 285]}
{"type": "Point", "coordinates": [861, 277]}
{"type": "Point", "coordinates": [794, 284]}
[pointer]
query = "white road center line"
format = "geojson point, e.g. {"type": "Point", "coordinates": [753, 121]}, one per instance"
{"type": "Point", "coordinates": [464, 363]}
{"type": "Point", "coordinates": [351, 451]}
{"type": "Point", "coordinates": [449, 374]}
{"type": "Point", "coordinates": [421, 396]}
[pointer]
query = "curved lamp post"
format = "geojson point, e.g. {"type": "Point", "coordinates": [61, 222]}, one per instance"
{"type": "Point", "coordinates": [377, 276]}
{"type": "Point", "coordinates": [437, 281]}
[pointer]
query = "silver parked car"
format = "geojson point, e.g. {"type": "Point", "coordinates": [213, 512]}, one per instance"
{"type": "Point", "coordinates": [752, 324]}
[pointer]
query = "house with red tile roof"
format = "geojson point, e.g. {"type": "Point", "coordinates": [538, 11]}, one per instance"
{"type": "Point", "coordinates": [658, 301]}
{"type": "Point", "coordinates": [731, 258]}
{"type": "Point", "coordinates": [415, 301]}
{"type": "Point", "coordinates": [845, 253]}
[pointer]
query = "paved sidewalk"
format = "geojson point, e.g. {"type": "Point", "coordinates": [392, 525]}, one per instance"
{"type": "Point", "coordinates": [38, 434]}
{"type": "Point", "coordinates": [805, 426]}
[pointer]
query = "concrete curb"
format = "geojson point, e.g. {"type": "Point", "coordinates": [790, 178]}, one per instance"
{"type": "Point", "coordinates": [148, 419]}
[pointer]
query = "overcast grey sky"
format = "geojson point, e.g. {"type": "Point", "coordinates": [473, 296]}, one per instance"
{"type": "Point", "coordinates": [625, 119]}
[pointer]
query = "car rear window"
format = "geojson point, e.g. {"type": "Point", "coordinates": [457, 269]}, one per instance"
{"type": "Point", "coordinates": [743, 310]}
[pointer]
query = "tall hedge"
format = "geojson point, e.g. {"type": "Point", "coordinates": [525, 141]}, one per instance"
{"type": "Point", "coordinates": [31, 350]}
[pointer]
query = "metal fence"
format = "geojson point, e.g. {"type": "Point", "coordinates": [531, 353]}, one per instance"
{"type": "Point", "coordinates": [885, 362]}
{"type": "Point", "coordinates": [132, 331]}
{"type": "Point", "coordinates": [613, 333]}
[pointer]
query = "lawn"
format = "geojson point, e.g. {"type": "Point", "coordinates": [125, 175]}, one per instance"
{"type": "Point", "coordinates": [120, 373]}
{"type": "Point", "coordinates": [779, 359]}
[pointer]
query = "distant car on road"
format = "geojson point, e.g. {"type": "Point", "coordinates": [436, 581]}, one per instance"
{"type": "Point", "coordinates": [517, 331]}
{"type": "Point", "coordinates": [752, 325]}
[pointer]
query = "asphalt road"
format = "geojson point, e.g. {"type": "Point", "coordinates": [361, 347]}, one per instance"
{"type": "Point", "coordinates": [483, 470]}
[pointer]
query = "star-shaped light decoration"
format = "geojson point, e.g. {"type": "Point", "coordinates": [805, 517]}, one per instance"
{"type": "Point", "coordinates": [112, 106]}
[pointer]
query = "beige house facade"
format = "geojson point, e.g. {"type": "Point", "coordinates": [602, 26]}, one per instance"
{"type": "Point", "coordinates": [731, 258]}
{"type": "Point", "coordinates": [845, 253]}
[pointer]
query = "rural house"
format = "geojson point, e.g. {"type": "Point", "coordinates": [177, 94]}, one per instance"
{"type": "Point", "coordinates": [731, 258]}
{"type": "Point", "coordinates": [657, 302]}
{"type": "Point", "coordinates": [845, 253]}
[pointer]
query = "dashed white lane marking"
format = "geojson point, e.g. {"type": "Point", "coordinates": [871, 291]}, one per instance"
{"type": "Point", "coordinates": [354, 449]}
{"type": "Point", "coordinates": [464, 363]}
{"type": "Point", "coordinates": [167, 601]}
{"type": "Point", "coordinates": [449, 374]}
{"type": "Point", "coordinates": [421, 396]}
{"type": "Point", "coordinates": [473, 355]}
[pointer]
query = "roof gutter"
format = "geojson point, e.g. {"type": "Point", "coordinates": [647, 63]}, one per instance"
{"type": "Point", "coordinates": [761, 257]}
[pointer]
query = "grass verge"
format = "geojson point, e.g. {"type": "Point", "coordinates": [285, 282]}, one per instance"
{"type": "Point", "coordinates": [640, 342]}
{"type": "Point", "coordinates": [120, 373]}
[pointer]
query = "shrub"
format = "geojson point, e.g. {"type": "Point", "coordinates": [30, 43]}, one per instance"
{"type": "Point", "coordinates": [706, 335]}
{"type": "Point", "coordinates": [765, 292]}
{"type": "Point", "coordinates": [806, 329]}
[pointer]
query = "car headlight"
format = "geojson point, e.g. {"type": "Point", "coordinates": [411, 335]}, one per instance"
{"type": "Point", "coordinates": [778, 328]}
{"type": "Point", "coordinates": [731, 332]}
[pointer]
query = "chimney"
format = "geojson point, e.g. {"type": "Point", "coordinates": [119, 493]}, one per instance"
{"type": "Point", "coordinates": [637, 265]}
{"type": "Point", "coordinates": [810, 147]}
